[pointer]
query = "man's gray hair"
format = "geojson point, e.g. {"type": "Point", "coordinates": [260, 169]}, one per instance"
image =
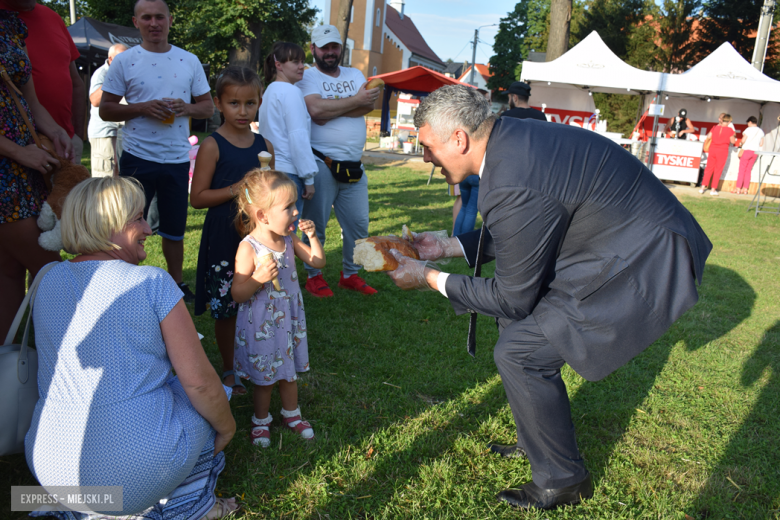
{"type": "Point", "coordinates": [115, 49]}
{"type": "Point", "coordinates": [452, 107]}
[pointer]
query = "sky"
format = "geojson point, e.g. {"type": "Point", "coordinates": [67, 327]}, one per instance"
{"type": "Point", "coordinates": [448, 25]}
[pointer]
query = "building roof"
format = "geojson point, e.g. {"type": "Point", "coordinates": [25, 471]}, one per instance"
{"type": "Point", "coordinates": [455, 68]}
{"type": "Point", "coordinates": [484, 70]}
{"type": "Point", "coordinates": [407, 32]}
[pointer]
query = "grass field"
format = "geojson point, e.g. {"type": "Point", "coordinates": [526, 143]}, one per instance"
{"type": "Point", "coordinates": [688, 429]}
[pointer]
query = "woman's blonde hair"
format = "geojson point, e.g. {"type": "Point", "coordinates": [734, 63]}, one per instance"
{"type": "Point", "coordinates": [96, 209]}
{"type": "Point", "coordinates": [727, 118]}
{"type": "Point", "coordinates": [261, 190]}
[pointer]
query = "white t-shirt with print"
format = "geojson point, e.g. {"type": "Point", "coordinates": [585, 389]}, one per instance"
{"type": "Point", "coordinates": [752, 136]}
{"type": "Point", "coordinates": [342, 138]}
{"type": "Point", "coordinates": [139, 76]}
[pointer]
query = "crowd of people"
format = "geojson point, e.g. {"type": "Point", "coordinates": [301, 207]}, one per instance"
{"type": "Point", "coordinates": [589, 288]}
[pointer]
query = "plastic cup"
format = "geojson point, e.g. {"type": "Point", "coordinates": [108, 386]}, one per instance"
{"type": "Point", "coordinates": [172, 117]}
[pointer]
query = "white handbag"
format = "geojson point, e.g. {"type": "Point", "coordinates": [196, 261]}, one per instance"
{"type": "Point", "coordinates": [19, 377]}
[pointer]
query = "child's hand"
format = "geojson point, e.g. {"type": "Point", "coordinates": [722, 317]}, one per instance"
{"type": "Point", "coordinates": [266, 272]}
{"type": "Point", "coordinates": [307, 226]}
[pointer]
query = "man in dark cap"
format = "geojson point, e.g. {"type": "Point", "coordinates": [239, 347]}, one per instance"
{"type": "Point", "coordinates": [681, 126]}
{"type": "Point", "coordinates": [519, 92]}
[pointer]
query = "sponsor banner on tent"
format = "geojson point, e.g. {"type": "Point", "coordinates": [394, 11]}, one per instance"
{"type": "Point", "coordinates": [677, 160]}
{"type": "Point", "coordinates": [570, 117]}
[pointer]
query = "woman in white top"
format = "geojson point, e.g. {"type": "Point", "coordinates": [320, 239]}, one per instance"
{"type": "Point", "coordinates": [752, 141]}
{"type": "Point", "coordinates": [284, 119]}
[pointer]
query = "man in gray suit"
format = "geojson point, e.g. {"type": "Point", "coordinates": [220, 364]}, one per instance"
{"type": "Point", "coordinates": [595, 260]}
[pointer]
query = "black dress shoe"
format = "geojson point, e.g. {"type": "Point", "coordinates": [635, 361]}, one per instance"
{"type": "Point", "coordinates": [530, 495]}
{"type": "Point", "coordinates": [510, 452]}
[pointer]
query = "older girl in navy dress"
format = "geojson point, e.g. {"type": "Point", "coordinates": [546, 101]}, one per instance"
{"type": "Point", "coordinates": [271, 342]}
{"type": "Point", "coordinates": [223, 160]}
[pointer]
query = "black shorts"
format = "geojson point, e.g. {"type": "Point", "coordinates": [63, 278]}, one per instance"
{"type": "Point", "coordinates": [170, 183]}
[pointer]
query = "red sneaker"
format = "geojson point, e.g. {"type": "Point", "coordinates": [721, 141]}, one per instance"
{"type": "Point", "coordinates": [355, 283]}
{"type": "Point", "coordinates": [317, 286]}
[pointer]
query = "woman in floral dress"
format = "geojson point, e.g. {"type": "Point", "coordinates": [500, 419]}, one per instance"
{"type": "Point", "coordinates": [22, 165]}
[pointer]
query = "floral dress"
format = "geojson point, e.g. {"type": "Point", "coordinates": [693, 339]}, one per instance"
{"type": "Point", "coordinates": [271, 343]}
{"type": "Point", "coordinates": [219, 239]}
{"type": "Point", "coordinates": [22, 190]}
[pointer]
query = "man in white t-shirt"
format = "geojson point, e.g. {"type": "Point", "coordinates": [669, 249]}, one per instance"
{"type": "Point", "coordinates": [337, 100]}
{"type": "Point", "coordinates": [158, 79]}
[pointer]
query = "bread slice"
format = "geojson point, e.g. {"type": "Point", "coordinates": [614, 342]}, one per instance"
{"type": "Point", "coordinates": [373, 253]}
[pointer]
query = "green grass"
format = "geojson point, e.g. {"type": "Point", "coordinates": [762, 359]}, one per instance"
{"type": "Point", "coordinates": [402, 414]}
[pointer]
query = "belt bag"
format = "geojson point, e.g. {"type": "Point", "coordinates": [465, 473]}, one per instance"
{"type": "Point", "coordinates": [343, 171]}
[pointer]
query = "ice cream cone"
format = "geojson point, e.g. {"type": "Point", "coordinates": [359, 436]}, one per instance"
{"type": "Point", "coordinates": [269, 257]}
{"type": "Point", "coordinates": [265, 160]}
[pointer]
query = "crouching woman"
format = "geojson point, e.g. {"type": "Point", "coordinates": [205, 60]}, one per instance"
{"type": "Point", "coordinates": [109, 333]}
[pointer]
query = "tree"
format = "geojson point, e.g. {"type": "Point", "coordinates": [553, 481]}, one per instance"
{"type": "Point", "coordinates": [222, 32]}
{"type": "Point", "coordinates": [62, 8]}
{"type": "Point", "coordinates": [676, 30]}
{"type": "Point", "coordinates": [119, 12]}
{"type": "Point", "coordinates": [560, 21]}
{"type": "Point", "coordinates": [507, 48]}
{"type": "Point", "coordinates": [735, 22]}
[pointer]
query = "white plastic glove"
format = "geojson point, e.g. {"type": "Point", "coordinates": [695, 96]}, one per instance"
{"type": "Point", "coordinates": [434, 245]}
{"type": "Point", "coordinates": [410, 273]}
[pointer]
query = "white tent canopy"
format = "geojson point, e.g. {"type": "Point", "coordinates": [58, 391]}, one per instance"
{"type": "Point", "coordinates": [591, 65]}
{"type": "Point", "coordinates": [725, 74]}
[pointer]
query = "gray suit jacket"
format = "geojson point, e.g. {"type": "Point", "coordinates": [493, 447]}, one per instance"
{"type": "Point", "coordinates": [585, 239]}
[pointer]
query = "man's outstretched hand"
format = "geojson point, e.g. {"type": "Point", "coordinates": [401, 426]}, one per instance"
{"type": "Point", "coordinates": [410, 273]}
{"type": "Point", "coordinates": [434, 245]}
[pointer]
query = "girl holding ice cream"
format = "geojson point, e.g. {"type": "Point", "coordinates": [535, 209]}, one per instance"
{"type": "Point", "coordinates": [223, 160]}
{"type": "Point", "coordinates": [270, 341]}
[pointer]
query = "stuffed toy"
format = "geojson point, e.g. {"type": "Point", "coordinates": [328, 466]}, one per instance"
{"type": "Point", "coordinates": [59, 183]}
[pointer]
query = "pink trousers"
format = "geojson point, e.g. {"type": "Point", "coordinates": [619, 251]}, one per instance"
{"type": "Point", "coordinates": [746, 163]}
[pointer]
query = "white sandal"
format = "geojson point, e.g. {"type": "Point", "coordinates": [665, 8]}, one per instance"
{"type": "Point", "coordinates": [222, 509]}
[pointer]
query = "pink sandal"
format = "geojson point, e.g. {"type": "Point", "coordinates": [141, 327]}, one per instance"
{"type": "Point", "coordinates": [301, 425]}
{"type": "Point", "coordinates": [261, 431]}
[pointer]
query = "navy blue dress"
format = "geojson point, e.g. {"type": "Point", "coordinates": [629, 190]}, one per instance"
{"type": "Point", "coordinates": [219, 240]}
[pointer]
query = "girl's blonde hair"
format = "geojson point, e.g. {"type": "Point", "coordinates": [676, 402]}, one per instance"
{"type": "Point", "coordinates": [260, 190]}
{"type": "Point", "coordinates": [96, 209]}
{"type": "Point", "coordinates": [727, 118]}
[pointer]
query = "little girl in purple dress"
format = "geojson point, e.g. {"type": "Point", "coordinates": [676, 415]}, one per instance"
{"type": "Point", "coordinates": [271, 344]}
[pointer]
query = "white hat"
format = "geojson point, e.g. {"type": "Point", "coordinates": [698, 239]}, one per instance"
{"type": "Point", "coordinates": [325, 34]}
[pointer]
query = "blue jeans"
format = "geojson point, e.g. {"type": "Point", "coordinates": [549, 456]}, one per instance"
{"type": "Point", "coordinates": [298, 203]}
{"type": "Point", "coordinates": [469, 195]}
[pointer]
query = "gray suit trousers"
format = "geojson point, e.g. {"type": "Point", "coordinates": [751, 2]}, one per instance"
{"type": "Point", "coordinates": [530, 370]}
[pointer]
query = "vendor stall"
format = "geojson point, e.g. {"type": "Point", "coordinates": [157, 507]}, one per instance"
{"type": "Point", "coordinates": [722, 82]}
{"type": "Point", "coordinates": [417, 81]}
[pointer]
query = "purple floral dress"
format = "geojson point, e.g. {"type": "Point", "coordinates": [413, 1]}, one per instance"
{"type": "Point", "coordinates": [22, 190]}
{"type": "Point", "coordinates": [271, 343]}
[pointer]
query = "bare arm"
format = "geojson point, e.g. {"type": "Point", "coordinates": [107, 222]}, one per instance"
{"type": "Point", "coordinates": [112, 110]}
{"type": "Point", "coordinates": [323, 109]}
{"type": "Point", "coordinates": [94, 98]}
{"type": "Point", "coordinates": [196, 374]}
{"type": "Point", "coordinates": [314, 255]}
{"type": "Point", "coordinates": [201, 194]}
{"type": "Point", "coordinates": [45, 124]}
{"type": "Point", "coordinates": [202, 109]}
{"type": "Point", "coordinates": [247, 280]}
{"type": "Point", "coordinates": [79, 106]}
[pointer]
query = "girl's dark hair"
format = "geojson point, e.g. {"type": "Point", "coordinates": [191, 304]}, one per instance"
{"type": "Point", "coordinates": [238, 76]}
{"type": "Point", "coordinates": [281, 52]}
{"type": "Point", "coordinates": [752, 119]}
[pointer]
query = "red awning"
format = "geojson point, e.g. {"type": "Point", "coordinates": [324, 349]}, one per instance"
{"type": "Point", "coordinates": [417, 79]}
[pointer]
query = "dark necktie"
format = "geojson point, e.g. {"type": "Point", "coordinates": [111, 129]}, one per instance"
{"type": "Point", "coordinates": [471, 343]}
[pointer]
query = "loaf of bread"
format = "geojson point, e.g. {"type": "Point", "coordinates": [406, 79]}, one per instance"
{"type": "Point", "coordinates": [375, 83]}
{"type": "Point", "coordinates": [373, 253]}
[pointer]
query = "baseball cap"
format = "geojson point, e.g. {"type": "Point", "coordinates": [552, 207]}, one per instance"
{"type": "Point", "coordinates": [325, 34]}
{"type": "Point", "coordinates": [520, 88]}
{"type": "Point", "coordinates": [683, 112]}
